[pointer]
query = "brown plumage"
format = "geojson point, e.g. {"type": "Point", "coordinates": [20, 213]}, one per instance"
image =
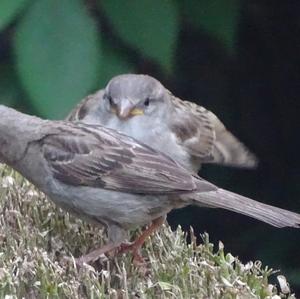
{"type": "Point", "coordinates": [112, 179]}
{"type": "Point", "coordinates": [90, 155]}
{"type": "Point", "coordinates": [197, 130]}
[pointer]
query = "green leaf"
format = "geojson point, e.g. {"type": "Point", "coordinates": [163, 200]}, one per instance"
{"type": "Point", "coordinates": [9, 91]}
{"type": "Point", "coordinates": [150, 26]}
{"type": "Point", "coordinates": [217, 17]}
{"type": "Point", "coordinates": [9, 10]}
{"type": "Point", "coordinates": [58, 55]}
{"type": "Point", "coordinates": [114, 63]}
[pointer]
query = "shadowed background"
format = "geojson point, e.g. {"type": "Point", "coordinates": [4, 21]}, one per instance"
{"type": "Point", "coordinates": [239, 59]}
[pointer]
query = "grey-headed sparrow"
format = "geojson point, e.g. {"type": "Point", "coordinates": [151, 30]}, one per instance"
{"type": "Point", "coordinates": [141, 107]}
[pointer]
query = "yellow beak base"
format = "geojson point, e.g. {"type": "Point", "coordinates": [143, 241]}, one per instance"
{"type": "Point", "coordinates": [136, 111]}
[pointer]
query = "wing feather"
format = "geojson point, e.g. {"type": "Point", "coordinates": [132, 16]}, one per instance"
{"type": "Point", "coordinates": [94, 156]}
{"type": "Point", "coordinates": [205, 137]}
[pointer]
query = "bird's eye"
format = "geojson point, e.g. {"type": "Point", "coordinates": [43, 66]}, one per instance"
{"type": "Point", "coordinates": [147, 102]}
{"type": "Point", "coordinates": [110, 100]}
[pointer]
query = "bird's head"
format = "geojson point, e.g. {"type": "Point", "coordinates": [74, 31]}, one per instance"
{"type": "Point", "coordinates": [128, 96]}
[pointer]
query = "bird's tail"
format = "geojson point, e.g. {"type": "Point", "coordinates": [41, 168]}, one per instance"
{"type": "Point", "coordinates": [240, 204]}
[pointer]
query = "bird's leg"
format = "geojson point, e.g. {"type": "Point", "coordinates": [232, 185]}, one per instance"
{"type": "Point", "coordinates": [94, 255]}
{"type": "Point", "coordinates": [137, 244]}
{"type": "Point", "coordinates": [123, 247]}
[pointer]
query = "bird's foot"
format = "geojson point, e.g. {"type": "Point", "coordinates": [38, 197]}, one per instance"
{"type": "Point", "coordinates": [94, 255]}
{"type": "Point", "coordinates": [135, 250]}
{"type": "Point", "coordinates": [115, 249]}
{"type": "Point", "coordinates": [136, 246]}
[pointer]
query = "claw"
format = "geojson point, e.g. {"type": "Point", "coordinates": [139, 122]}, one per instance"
{"type": "Point", "coordinates": [114, 249]}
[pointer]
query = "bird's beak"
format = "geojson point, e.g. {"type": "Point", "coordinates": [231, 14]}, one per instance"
{"type": "Point", "coordinates": [126, 110]}
{"type": "Point", "coordinates": [136, 111]}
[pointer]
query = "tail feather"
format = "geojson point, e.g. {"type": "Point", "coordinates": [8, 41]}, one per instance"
{"type": "Point", "coordinates": [240, 204]}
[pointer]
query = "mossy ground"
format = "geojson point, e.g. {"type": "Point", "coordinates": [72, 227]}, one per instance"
{"type": "Point", "coordinates": [35, 236]}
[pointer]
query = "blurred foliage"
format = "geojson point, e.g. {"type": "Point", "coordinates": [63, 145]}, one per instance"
{"type": "Point", "coordinates": [57, 54]}
{"type": "Point", "coordinates": [149, 26]}
{"type": "Point", "coordinates": [9, 10]}
{"type": "Point", "coordinates": [217, 17]}
{"type": "Point", "coordinates": [63, 51]}
{"type": "Point", "coordinates": [238, 58]}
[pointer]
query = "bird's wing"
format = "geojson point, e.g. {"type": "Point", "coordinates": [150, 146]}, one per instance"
{"type": "Point", "coordinates": [205, 137]}
{"type": "Point", "coordinates": [90, 155]}
{"type": "Point", "coordinates": [86, 106]}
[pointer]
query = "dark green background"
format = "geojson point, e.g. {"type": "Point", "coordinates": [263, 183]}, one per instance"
{"type": "Point", "coordinates": [240, 59]}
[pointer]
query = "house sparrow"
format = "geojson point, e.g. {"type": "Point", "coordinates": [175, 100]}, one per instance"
{"type": "Point", "coordinates": [112, 179]}
{"type": "Point", "coordinates": [141, 107]}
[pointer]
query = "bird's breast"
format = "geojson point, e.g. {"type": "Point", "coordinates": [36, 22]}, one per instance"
{"type": "Point", "coordinates": [155, 134]}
